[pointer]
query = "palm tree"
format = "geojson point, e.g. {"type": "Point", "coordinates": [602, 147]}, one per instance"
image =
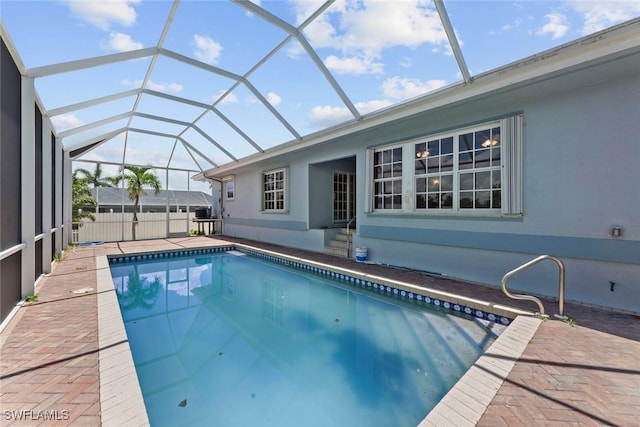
{"type": "Point", "coordinates": [140, 292]}
{"type": "Point", "coordinates": [80, 199]}
{"type": "Point", "coordinates": [137, 178]}
{"type": "Point", "coordinates": [96, 180]}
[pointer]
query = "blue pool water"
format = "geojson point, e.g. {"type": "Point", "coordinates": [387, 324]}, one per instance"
{"type": "Point", "coordinates": [230, 340]}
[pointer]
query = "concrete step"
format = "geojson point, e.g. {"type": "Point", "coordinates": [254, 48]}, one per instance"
{"type": "Point", "coordinates": [341, 244]}
{"type": "Point", "coordinates": [352, 229]}
{"type": "Point", "coordinates": [342, 237]}
{"type": "Point", "coordinates": [336, 251]}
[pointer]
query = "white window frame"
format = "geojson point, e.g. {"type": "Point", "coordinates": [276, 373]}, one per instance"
{"type": "Point", "coordinates": [231, 183]}
{"type": "Point", "coordinates": [387, 184]}
{"type": "Point", "coordinates": [280, 187]}
{"type": "Point", "coordinates": [509, 168]}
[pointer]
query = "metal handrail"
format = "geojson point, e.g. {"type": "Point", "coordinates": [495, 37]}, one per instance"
{"type": "Point", "coordinates": [531, 297]}
{"type": "Point", "coordinates": [349, 237]}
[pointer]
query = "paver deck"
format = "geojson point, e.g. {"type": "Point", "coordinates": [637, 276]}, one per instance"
{"type": "Point", "coordinates": [584, 374]}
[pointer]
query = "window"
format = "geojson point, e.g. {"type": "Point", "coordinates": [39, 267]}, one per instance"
{"type": "Point", "coordinates": [229, 190]}
{"type": "Point", "coordinates": [274, 190]}
{"type": "Point", "coordinates": [468, 170]}
{"type": "Point", "coordinates": [387, 178]}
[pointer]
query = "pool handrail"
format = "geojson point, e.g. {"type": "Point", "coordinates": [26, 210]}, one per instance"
{"type": "Point", "coordinates": [531, 263]}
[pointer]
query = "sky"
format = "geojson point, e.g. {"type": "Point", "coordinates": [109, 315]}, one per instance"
{"type": "Point", "coordinates": [377, 52]}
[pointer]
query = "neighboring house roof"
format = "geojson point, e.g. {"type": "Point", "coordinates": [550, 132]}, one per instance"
{"type": "Point", "coordinates": [119, 196]}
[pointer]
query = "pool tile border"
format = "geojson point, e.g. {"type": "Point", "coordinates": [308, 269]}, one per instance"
{"type": "Point", "coordinates": [441, 300]}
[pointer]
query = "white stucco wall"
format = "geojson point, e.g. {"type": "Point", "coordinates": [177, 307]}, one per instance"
{"type": "Point", "coordinates": [580, 178]}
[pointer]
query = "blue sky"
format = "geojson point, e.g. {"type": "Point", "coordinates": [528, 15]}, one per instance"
{"type": "Point", "coordinates": [379, 52]}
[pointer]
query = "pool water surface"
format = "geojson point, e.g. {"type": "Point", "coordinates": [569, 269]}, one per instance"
{"type": "Point", "coordinates": [227, 339]}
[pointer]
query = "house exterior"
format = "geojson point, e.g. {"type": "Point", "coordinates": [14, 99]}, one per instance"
{"type": "Point", "coordinates": [537, 157]}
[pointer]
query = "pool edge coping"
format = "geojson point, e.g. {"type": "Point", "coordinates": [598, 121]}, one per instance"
{"type": "Point", "coordinates": [469, 398]}
{"type": "Point", "coordinates": [121, 399]}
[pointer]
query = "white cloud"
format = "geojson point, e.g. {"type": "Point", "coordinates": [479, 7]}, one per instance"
{"type": "Point", "coordinates": [122, 42]}
{"type": "Point", "coordinates": [512, 25]}
{"type": "Point", "coordinates": [104, 13]}
{"type": "Point", "coordinates": [65, 122]}
{"type": "Point", "coordinates": [600, 15]}
{"type": "Point", "coordinates": [229, 99]}
{"type": "Point", "coordinates": [274, 99]}
{"type": "Point", "coordinates": [405, 88]}
{"type": "Point", "coordinates": [364, 29]}
{"type": "Point", "coordinates": [353, 65]}
{"type": "Point", "coordinates": [406, 62]}
{"type": "Point", "coordinates": [207, 49]}
{"type": "Point", "coordinates": [556, 26]}
{"type": "Point", "coordinates": [373, 105]}
{"type": "Point", "coordinates": [327, 115]}
{"type": "Point", "coordinates": [161, 87]}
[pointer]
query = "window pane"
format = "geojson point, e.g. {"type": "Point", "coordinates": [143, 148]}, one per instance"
{"type": "Point", "coordinates": [496, 181]}
{"type": "Point", "coordinates": [434, 201]}
{"type": "Point", "coordinates": [446, 145]}
{"type": "Point", "coordinates": [386, 171]}
{"type": "Point", "coordinates": [388, 202]}
{"type": "Point", "coordinates": [420, 167]}
{"type": "Point", "coordinates": [466, 200]}
{"type": "Point", "coordinates": [433, 165]}
{"type": "Point", "coordinates": [483, 180]}
{"type": "Point", "coordinates": [397, 169]}
{"type": "Point", "coordinates": [495, 156]}
{"type": "Point", "coordinates": [421, 185]}
{"type": "Point", "coordinates": [434, 184]}
{"type": "Point", "coordinates": [397, 186]}
{"type": "Point", "coordinates": [397, 154]}
{"type": "Point", "coordinates": [434, 148]}
{"type": "Point", "coordinates": [421, 202]}
{"type": "Point", "coordinates": [496, 199]}
{"type": "Point", "coordinates": [483, 158]}
{"type": "Point", "coordinates": [386, 156]}
{"type": "Point", "coordinates": [495, 137]}
{"type": "Point", "coordinates": [420, 150]}
{"type": "Point", "coordinates": [388, 187]}
{"type": "Point", "coordinates": [377, 203]}
{"type": "Point", "coordinates": [465, 160]}
{"type": "Point", "coordinates": [466, 181]}
{"type": "Point", "coordinates": [447, 201]}
{"type": "Point", "coordinates": [377, 157]}
{"type": "Point", "coordinates": [483, 199]}
{"type": "Point", "coordinates": [483, 139]}
{"type": "Point", "coordinates": [446, 163]}
{"type": "Point", "coordinates": [446, 182]}
{"type": "Point", "coordinates": [378, 188]}
{"type": "Point", "coordinates": [397, 202]}
{"type": "Point", "coordinates": [377, 172]}
{"type": "Point", "coordinates": [465, 142]}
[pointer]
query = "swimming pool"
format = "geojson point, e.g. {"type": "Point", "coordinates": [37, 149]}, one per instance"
{"type": "Point", "coordinates": [227, 339]}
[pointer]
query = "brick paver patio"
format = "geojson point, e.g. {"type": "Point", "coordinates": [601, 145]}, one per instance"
{"type": "Point", "coordinates": [587, 374]}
